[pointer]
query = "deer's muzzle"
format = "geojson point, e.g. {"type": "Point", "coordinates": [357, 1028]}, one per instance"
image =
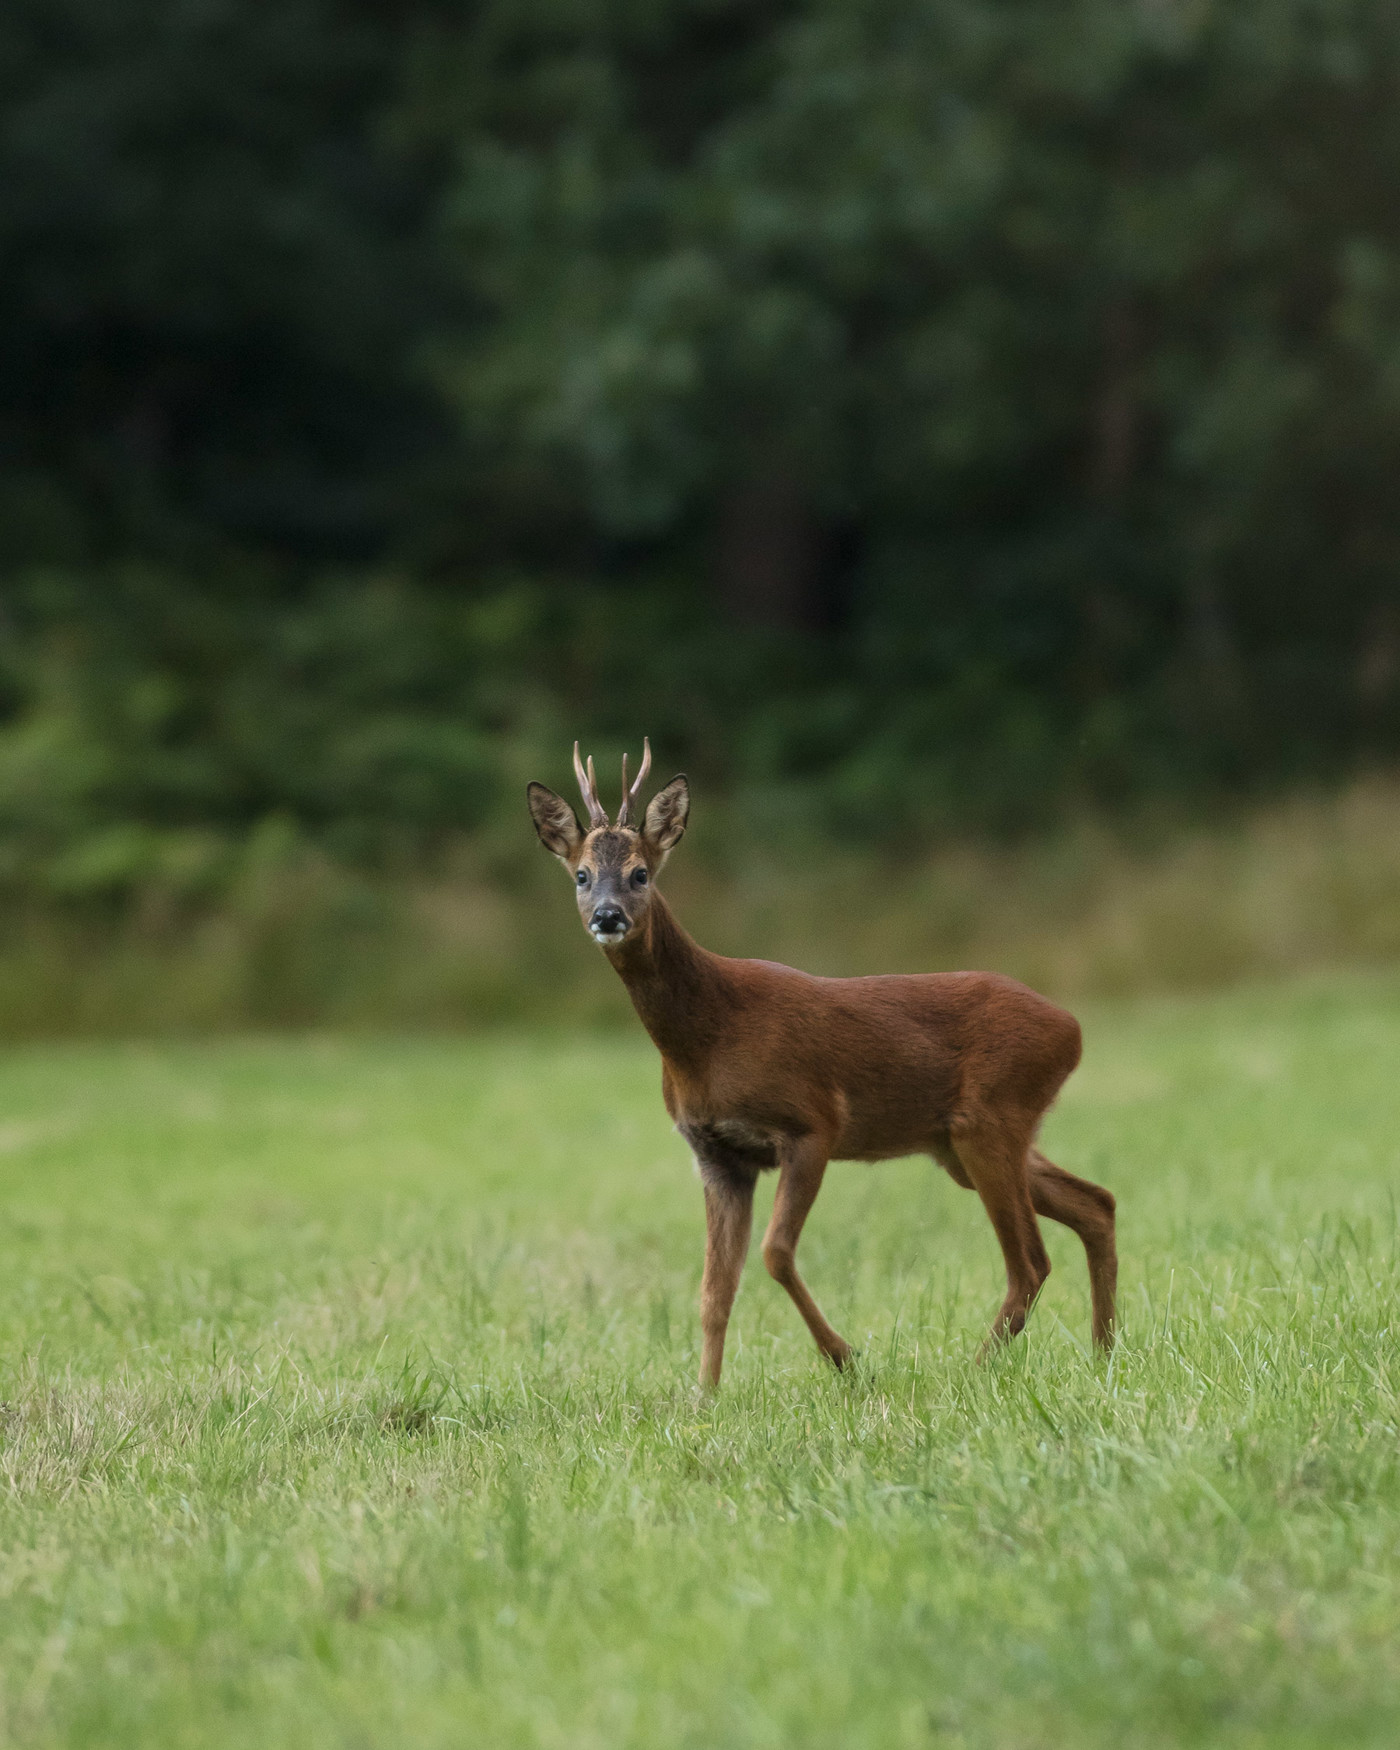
{"type": "Point", "coordinates": [608, 923]}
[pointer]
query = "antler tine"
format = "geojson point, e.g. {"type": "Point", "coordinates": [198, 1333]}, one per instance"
{"type": "Point", "coordinates": [597, 813]}
{"type": "Point", "coordinates": [630, 796]}
{"type": "Point", "coordinates": [588, 784]}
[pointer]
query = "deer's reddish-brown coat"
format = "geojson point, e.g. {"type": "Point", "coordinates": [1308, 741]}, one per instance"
{"type": "Point", "coordinates": [766, 1067]}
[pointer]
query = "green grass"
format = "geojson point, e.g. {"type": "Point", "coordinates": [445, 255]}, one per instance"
{"type": "Point", "coordinates": [347, 1401]}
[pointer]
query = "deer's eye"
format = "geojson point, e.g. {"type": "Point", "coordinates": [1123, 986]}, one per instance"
{"type": "Point", "coordinates": [639, 877]}
{"type": "Point", "coordinates": [581, 879]}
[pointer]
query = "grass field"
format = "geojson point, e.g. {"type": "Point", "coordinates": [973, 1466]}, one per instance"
{"type": "Point", "coordinates": [347, 1401]}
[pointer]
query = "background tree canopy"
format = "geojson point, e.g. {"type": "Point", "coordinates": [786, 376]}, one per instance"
{"type": "Point", "coordinates": [931, 413]}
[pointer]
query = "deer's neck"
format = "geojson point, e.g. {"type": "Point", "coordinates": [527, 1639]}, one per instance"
{"type": "Point", "coordinates": [677, 987]}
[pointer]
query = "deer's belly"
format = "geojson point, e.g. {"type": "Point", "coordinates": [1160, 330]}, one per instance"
{"type": "Point", "coordinates": [889, 1127]}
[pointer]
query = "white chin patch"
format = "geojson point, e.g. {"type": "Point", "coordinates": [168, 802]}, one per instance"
{"type": "Point", "coordinates": [608, 939]}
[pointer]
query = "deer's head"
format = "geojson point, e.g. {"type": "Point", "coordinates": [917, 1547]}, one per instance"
{"type": "Point", "coordinates": [613, 865]}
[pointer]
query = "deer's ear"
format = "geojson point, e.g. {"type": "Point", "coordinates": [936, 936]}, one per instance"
{"type": "Point", "coordinates": [555, 822]}
{"type": "Point", "coordinates": [666, 815]}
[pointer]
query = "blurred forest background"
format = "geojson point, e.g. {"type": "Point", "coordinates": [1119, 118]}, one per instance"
{"type": "Point", "coordinates": [964, 436]}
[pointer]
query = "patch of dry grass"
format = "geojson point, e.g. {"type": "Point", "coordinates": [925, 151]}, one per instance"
{"type": "Point", "coordinates": [1096, 910]}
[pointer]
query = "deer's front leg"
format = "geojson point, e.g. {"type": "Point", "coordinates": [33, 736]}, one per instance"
{"type": "Point", "coordinates": [728, 1222]}
{"type": "Point", "coordinates": [804, 1167]}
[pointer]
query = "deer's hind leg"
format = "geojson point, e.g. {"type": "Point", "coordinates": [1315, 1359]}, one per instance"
{"type": "Point", "coordinates": [993, 1159]}
{"type": "Point", "coordinates": [1089, 1210]}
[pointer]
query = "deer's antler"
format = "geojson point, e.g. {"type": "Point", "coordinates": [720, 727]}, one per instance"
{"type": "Point", "coordinates": [630, 796]}
{"type": "Point", "coordinates": [588, 784]}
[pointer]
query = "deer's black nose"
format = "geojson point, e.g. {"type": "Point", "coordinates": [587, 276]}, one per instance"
{"type": "Point", "coordinates": [608, 920]}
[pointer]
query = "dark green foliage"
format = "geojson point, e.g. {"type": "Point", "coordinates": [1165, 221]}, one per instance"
{"type": "Point", "coordinates": [216, 278]}
{"type": "Point", "coordinates": [1080, 321]}
{"type": "Point", "coordinates": [920, 413]}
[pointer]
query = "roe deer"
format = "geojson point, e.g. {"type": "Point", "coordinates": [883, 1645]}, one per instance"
{"type": "Point", "coordinates": [763, 1067]}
